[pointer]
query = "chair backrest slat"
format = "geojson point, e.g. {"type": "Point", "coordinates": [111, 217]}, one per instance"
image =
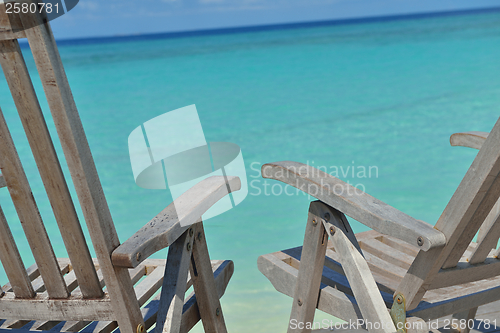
{"type": "Point", "coordinates": [466, 211]}
{"type": "Point", "coordinates": [488, 238]}
{"type": "Point", "coordinates": [12, 262]}
{"type": "Point", "coordinates": [28, 213]}
{"type": "Point", "coordinates": [31, 115]}
{"type": "Point", "coordinates": [472, 201]}
{"type": "Point", "coordinates": [82, 168]}
{"type": "Point", "coordinates": [479, 215]}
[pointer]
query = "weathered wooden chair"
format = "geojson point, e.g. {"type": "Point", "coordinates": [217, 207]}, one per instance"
{"type": "Point", "coordinates": [81, 293]}
{"type": "Point", "coordinates": [418, 271]}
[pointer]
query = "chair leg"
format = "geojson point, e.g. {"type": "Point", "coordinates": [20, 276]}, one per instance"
{"type": "Point", "coordinates": [363, 285]}
{"type": "Point", "coordinates": [464, 315]}
{"type": "Point", "coordinates": [311, 269]}
{"type": "Point", "coordinates": [204, 284]}
{"type": "Point", "coordinates": [173, 289]}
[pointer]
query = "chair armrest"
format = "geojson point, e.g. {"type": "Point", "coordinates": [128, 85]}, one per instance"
{"type": "Point", "coordinates": [355, 203]}
{"type": "Point", "coordinates": [469, 139]}
{"type": "Point", "coordinates": [166, 227]}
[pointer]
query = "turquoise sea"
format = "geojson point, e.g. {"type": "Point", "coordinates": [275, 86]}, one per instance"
{"type": "Point", "coordinates": [383, 94]}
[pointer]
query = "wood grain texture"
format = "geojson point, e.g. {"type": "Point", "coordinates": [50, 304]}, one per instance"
{"type": "Point", "coordinates": [305, 296]}
{"type": "Point", "coordinates": [460, 220]}
{"type": "Point", "coordinates": [386, 253]}
{"type": "Point", "coordinates": [465, 272]}
{"type": "Point", "coordinates": [471, 139]}
{"type": "Point", "coordinates": [12, 262]}
{"type": "Point", "coordinates": [142, 291]}
{"type": "Point", "coordinates": [462, 300]}
{"type": "Point", "coordinates": [222, 272]}
{"type": "Point", "coordinates": [487, 238]}
{"type": "Point", "coordinates": [40, 308]}
{"type": "Point", "coordinates": [83, 170]}
{"type": "Point", "coordinates": [488, 223]}
{"type": "Point", "coordinates": [28, 213]}
{"type": "Point", "coordinates": [284, 278]}
{"type": "Point", "coordinates": [29, 110]}
{"type": "Point", "coordinates": [121, 303]}
{"type": "Point", "coordinates": [10, 25]}
{"type": "Point", "coordinates": [204, 285]}
{"type": "Point", "coordinates": [475, 140]}
{"type": "Point", "coordinates": [355, 203]}
{"type": "Point", "coordinates": [174, 284]}
{"type": "Point", "coordinates": [166, 227]}
{"type": "Point", "coordinates": [363, 285]}
{"type": "Point", "coordinates": [465, 315]}
{"type": "Point", "coordinates": [479, 216]}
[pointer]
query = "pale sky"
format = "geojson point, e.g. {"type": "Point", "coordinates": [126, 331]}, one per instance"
{"type": "Point", "coordinates": [91, 18]}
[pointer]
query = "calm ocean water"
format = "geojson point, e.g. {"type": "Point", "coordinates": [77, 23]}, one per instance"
{"type": "Point", "coordinates": [375, 96]}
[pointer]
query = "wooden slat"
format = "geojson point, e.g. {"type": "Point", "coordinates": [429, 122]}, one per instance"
{"type": "Point", "coordinates": [26, 101]}
{"type": "Point", "coordinates": [174, 284]}
{"type": "Point", "coordinates": [459, 220]}
{"type": "Point", "coordinates": [475, 140]}
{"type": "Point", "coordinates": [12, 262]}
{"type": "Point", "coordinates": [204, 284]}
{"type": "Point", "coordinates": [167, 226]}
{"type": "Point", "coordinates": [33, 274]}
{"type": "Point", "coordinates": [29, 215]}
{"type": "Point", "coordinates": [150, 285]}
{"type": "Point", "coordinates": [39, 287]}
{"type": "Point", "coordinates": [487, 224]}
{"type": "Point", "coordinates": [72, 284]}
{"type": "Point", "coordinates": [352, 202]}
{"type": "Point", "coordinates": [363, 286]}
{"type": "Point", "coordinates": [396, 244]}
{"type": "Point", "coordinates": [10, 25]}
{"type": "Point", "coordinates": [144, 290]}
{"type": "Point", "coordinates": [284, 278]}
{"type": "Point", "coordinates": [465, 315]}
{"type": "Point", "coordinates": [465, 272]}
{"type": "Point", "coordinates": [135, 275]}
{"type": "Point", "coordinates": [476, 220]}
{"type": "Point", "coordinates": [387, 253]}
{"type": "Point", "coordinates": [385, 268]}
{"type": "Point", "coordinates": [2, 181]}
{"type": "Point", "coordinates": [461, 300]}
{"type": "Point", "coordinates": [305, 296]}
{"type": "Point", "coordinates": [385, 282]}
{"type": "Point", "coordinates": [488, 238]}
{"type": "Point", "coordinates": [471, 139]}
{"type": "Point", "coordinates": [83, 170]}
{"type": "Point", "coordinates": [40, 308]}
{"type": "Point", "coordinates": [222, 272]}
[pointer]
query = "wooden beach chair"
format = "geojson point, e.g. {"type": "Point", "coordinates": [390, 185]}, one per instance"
{"type": "Point", "coordinates": [81, 293]}
{"type": "Point", "coordinates": [402, 272]}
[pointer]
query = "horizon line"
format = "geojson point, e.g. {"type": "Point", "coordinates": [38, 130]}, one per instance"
{"type": "Point", "coordinates": [273, 26]}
